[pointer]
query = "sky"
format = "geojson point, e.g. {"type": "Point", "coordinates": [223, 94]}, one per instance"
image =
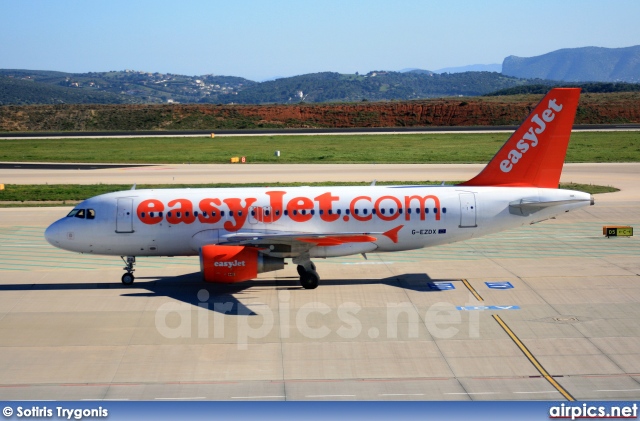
{"type": "Point", "coordinates": [260, 40]}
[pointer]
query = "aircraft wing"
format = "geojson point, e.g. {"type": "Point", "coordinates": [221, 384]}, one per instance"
{"type": "Point", "coordinates": [305, 240]}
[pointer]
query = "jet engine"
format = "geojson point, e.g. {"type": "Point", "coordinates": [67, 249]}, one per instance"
{"type": "Point", "coordinates": [229, 264]}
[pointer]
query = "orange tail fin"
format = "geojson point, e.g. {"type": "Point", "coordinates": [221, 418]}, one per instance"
{"type": "Point", "coordinates": [534, 155]}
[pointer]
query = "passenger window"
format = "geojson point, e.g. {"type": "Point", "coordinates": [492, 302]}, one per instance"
{"type": "Point", "coordinates": [356, 211]}
{"type": "Point", "coordinates": [91, 214]}
{"type": "Point", "coordinates": [444, 210]}
{"type": "Point", "coordinates": [347, 211]}
{"type": "Point", "coordinates": [338, 211]}
{"type": "Point", "coordinates": [365, 211]}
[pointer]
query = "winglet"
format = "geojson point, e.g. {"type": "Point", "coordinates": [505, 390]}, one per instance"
{"type": "Point", "coordinates": [534, 154]}
{"type": "Point", "coordinates": [392, 234]}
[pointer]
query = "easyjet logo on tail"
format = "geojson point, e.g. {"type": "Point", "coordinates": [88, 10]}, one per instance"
{"type": "Point", "coordinates": [530, 138]}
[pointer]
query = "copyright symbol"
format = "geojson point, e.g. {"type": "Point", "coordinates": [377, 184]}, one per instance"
{"type": "Point", "coordinates": [7, 411]}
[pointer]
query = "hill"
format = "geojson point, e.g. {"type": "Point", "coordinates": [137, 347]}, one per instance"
{"type": "Point", "coordinates": [588, 64]}
{"type": "Point", "coordinates": [374, 86]}
{"type": "Point", "coordinates": [24, 92]}
{"type": "Point", "coordinates": [123, 87]}
{"type": "Point", "coordinates": [47, 87]}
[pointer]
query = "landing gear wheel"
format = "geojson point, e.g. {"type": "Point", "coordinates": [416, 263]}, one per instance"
{"type": "Point", "coordinates": [128, 278]}
{"type": "Point", "coordinates": [310, 279]}
{"type": "Point", "coordinates": [301, 270]}
{"type": "Point", "coordinates": [130, 262]}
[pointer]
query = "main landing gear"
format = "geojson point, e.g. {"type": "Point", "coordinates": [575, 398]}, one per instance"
{"type": "Point", "coordinates": [128, 277]}
{"type": "Point", "coordinates": [309, 278]}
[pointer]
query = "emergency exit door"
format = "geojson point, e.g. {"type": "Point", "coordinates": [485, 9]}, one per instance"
{"type": "Point", "coordinates": [124, 215]}
{"type": "Point", "coordinates": [468, 210]}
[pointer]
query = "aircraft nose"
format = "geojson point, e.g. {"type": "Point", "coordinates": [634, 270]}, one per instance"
{"type": "Point", "coordinates": [52, 234]}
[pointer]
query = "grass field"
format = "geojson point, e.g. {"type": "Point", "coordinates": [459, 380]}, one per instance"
{"type": "Point", "coordinates": [403, 148]}
{"type": "Point", "coordinates": [47, 193]}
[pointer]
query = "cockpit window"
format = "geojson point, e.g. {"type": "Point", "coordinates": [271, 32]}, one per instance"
{"type": "Point", "coordinates": [82, 214]}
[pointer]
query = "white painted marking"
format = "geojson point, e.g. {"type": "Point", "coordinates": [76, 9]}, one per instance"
{"type": "Point", "coordinates": [475, 393]}
{"type": "Point", "coordinates": [179, 399]}
{"type": "Point", "coordinates": [255, 397]}
{"type": "Point", "coordinates": [330, 396]}
{"type": "Point", "coordinates": [618, 390]}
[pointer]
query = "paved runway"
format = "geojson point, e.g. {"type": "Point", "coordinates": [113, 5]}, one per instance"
{"type": "Point", "coordinates": [373, 330]}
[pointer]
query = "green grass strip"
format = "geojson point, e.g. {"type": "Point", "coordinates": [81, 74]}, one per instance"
{"type": "Point", "coordinates": [335, 149]}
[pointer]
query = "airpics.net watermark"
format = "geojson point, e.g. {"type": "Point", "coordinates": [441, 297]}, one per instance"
{"type": "Point", "coordinates": [313, 320]}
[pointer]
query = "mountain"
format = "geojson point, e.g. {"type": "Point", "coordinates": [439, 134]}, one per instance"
{"type": "Point", "coordinates": [587, 64]}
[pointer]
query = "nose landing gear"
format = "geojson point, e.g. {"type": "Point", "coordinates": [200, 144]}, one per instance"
{"type": "Point", "coordinates": [128, 277]}
{"type": "Point", "coordinates": [309, 278]}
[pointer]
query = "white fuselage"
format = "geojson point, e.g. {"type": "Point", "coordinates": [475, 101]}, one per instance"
{"type": "Point", "coordinates": [172, 222]}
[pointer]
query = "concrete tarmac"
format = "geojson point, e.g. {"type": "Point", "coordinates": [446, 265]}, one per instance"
{"type": "Point", "coordinates": [373, 330]}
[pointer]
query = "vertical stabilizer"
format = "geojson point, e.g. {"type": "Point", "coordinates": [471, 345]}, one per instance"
{"type": "Point", "coordinates": [534, 155]}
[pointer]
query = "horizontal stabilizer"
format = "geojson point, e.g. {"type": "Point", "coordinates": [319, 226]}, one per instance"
{"type": "Point", "coordinates": [526, 207]}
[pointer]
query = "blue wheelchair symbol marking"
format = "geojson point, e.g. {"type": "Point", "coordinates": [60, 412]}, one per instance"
{"type": "Point", "coordinates": [499, 285]}
{"type": "Point", "coordinates": [440, 286]}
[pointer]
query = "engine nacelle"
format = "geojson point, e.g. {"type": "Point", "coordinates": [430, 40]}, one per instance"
{"type": "Point", "coordinates": [229, 264]}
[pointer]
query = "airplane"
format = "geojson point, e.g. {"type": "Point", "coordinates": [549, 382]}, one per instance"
{"type": "Point", "coordinates": [241, 232]}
